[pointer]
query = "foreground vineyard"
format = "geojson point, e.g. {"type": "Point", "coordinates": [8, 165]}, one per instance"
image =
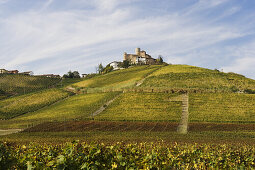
{"type": "Point", "coordinates": [78, 155]}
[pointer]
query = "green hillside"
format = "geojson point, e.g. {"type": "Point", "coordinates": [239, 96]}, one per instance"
{"type": "Point", "coordinates": [221, 107]}
{"type": "Point", "coordinates": [143, 107]}
{"type": "Point", "coordinates": [15, 106]}
{"type": "Point", "coordinates": [196, 78]}
{"type": "Point", "coordinates": [117, 80]}
{"type": "Point", "coordinates": [76, 107]}
{"type": "Point", "coordinates": [215, 98]}
{"type": "Point", "coordinates": [22, 84]}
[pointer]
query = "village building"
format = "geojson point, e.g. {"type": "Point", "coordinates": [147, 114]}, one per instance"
{"type": "Point", "coordinates": [50, 75]}
{"type": "Point", "coordinates": [3, 71]}
{"type": "Point", "coordinates": [115, 65]}
{"type": "Point", "coordinates": [13, 72]}
{"type": "Point", "coordinates": [30, 73]}
{"type": "Point", "coordinates": [140, 57]}
{"type": "Point", "coordinates": [84, 75]}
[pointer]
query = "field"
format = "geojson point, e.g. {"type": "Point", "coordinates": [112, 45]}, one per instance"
{"type": "Point", "coordinates": [138, 129]}
{"type": "Point", "coordinates": [73, 108]}
{"type": "Point", "coordinates": [117, 80]}
{"type": "Point", "coordinates": [16, 106]}
{"type": "Point", "coordinates": [78, 155]}
{"type": "Point", "coordinates": [190, 77]}
{"type": "Point", "coordinates": [220, 107]}
{"type": "Point", "coordinates": [22, 84]}
{"type": "Point", "coordinates": [143, 107]}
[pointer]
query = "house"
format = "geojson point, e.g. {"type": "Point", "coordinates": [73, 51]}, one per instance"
{"type": "Point", "coordinates": [30, 73]}
{"type": "Point", "coordinates": [115, 65]}
{"type": "Point", "coordinates": [50, 75]}
{"type": "Point", "coordinates": [2, 71]}
{"type": "Point", "coordinates": [140, 57]}
{"type": "Point", "coordinates": [84, 75]}
{"type": "Point", "coordinates": [13, 72]}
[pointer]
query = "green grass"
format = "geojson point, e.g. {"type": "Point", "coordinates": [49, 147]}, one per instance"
{"type": "Point", "coordinates": [143, 107]}
{"type": "Point", "coordinates": [118, 79]}
{"type": "Point", "coordinates": [76, 107]}
{"type": "Point", "coordinates": [22, 84]}
{"type": "Point", "coordinates": [220, 107]}
{"type": "Point", "coordinates": [190, 77]}
{"type": "Point", "coordinates": [15, 106]}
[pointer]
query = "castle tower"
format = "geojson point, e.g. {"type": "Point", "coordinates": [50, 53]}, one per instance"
{"type": "Point", "coordinates": [125, 56]}
{"type": "Point", "coordinates": [137, 51]}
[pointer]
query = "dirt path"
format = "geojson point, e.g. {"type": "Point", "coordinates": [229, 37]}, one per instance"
{"type": "Point", "coordinates": [9, 131]}
{"type": "Point", "coordinates": [183, 126]}
{"type": "Point", "coordinates": [102, 108]}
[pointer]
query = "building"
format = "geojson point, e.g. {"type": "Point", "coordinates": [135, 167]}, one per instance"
{"type": "Point", "coordinates": [84, 75]}
{"type": "Point", "coordinates": [140, 57]}
{"type": "Point", "coordinates": [13, 72]}
{"type": "Point", "coordinates": [30, 73]}
{"type": "Point", "coordinates": [2, 71]}
{"type": "Point", "coordinates": [50, 75]}
{"type": "Point", "coordinates": [115, 65]}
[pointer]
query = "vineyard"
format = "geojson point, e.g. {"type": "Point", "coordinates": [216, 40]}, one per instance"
{"type": "Point", "coordinates": [143, 106]}
{"type": "Point", "coordinates": [22, 84]}
{"type": "Point", "coordinates": [189, 77]}
{"type": "Point", "coordinates": [128, 119]}
{"type": "Point", "coordinates": [22, 104]}
{"type": "Point", "coordinates": [77, 155]}
{"type": "Point", "coordinates": [220, 107]}
{"type": "Point", "coordinates": [117, 79]}
{"type": "Point", "coordinates": [76, 107]}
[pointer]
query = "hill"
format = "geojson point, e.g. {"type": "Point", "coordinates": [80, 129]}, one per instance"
{"type": "Point", "coordinates": [197, 79]}
{"type": "Point", "coordinates": [212, 98]}
{"type": "Point", "coordinates": [117, 80]}
{"type": "Point", "coordinates": [12, 84]}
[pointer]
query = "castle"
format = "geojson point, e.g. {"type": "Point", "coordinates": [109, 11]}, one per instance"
{"type": "Point", "coordinates": [140, 57]}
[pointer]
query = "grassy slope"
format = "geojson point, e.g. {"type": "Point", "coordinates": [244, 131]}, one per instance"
{"type": "Point", "coordinates": [220, 107]}
{"type": "Point", "coordinates": [74, 107]}
{"type": "Point", "coordinates": [118, 79]}
{"type": "Point", "coordinates": [15, 106]}
{"type": "Point", "coordinates": [143, 106]}
{"type": "Point", "coordinates": [190, 77]}
{"type": "Point", "coordinates": [20, 84]}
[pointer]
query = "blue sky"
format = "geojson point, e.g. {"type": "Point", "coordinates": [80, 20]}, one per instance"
{"type": "Point", "coordinates": [54, 36]}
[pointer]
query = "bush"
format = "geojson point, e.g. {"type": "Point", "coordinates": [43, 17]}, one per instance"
{"type": "Point", "coordinates": [249, 91]}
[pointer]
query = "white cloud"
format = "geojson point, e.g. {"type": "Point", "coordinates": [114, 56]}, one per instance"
{"type": "Point", "coordinates": [75, 37]}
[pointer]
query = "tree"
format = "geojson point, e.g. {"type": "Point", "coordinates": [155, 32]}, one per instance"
{"type": "Point", "coordinates": [160, 59]}
{"type": "Point", "coordinates": [125, 64]}
{"type": "Point", "coordinates": [71, 74]}
{"type": "Point", "coordinates": [107, 69]}
{"type": "Point", "coordinates": [100, 68]}
{"type": "Point", "coordinates": [76, 74]}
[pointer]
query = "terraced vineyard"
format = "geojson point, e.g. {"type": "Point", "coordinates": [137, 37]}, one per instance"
{"type": "Point", "coordinates": [143, 107]}
{"type": "Point", "coordinates": [22, 84]}
{"type": "Point", "coordinates": [73, 108]}
{"type": "Point", "coordinates": [221, 107]}
{"type": "Point", "coordinates": [19, 105]}
{"type": "Point", "coordinates": [190, 77]}
{"type": "Point", "coordinates": [117, 80]}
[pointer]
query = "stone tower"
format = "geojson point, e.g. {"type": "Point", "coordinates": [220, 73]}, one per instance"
{"type": "Point", "coordinates": [137, 51]}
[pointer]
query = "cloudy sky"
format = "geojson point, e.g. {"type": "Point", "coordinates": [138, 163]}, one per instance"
{"type": "Point", "coordinates": [54, 36]}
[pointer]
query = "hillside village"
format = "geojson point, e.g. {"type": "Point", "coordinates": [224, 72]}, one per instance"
{"type": "Point", "coordinates": [139, 58]}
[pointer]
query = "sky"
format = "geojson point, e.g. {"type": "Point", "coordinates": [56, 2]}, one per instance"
{"type": "Point", "coordinates": [55, 36]}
